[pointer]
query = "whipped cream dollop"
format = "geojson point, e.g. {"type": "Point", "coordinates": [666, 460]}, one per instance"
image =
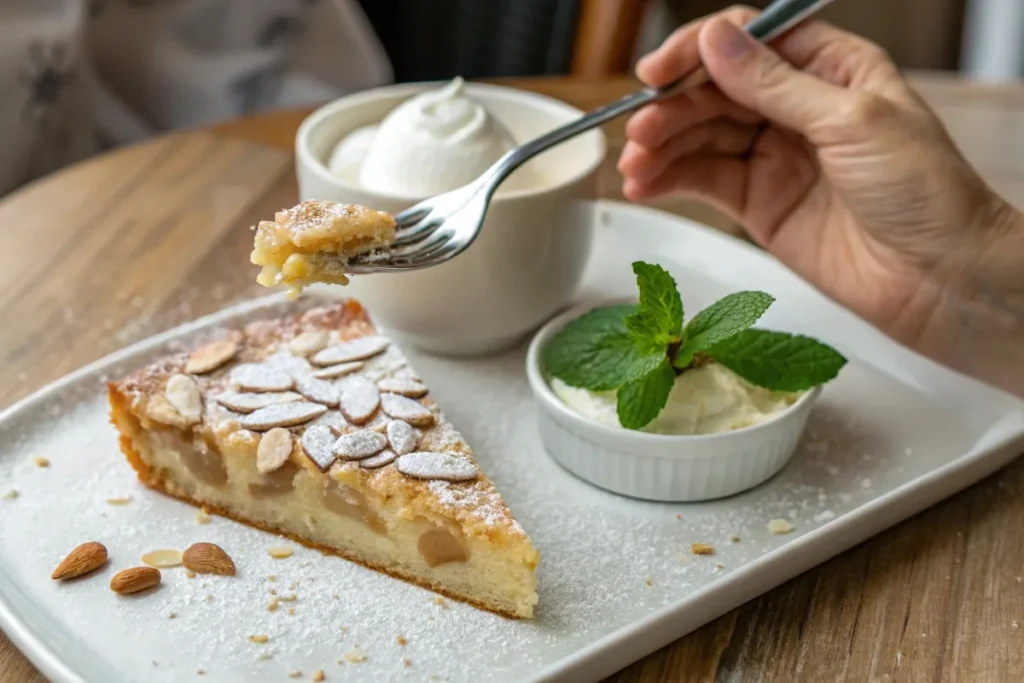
{"type": "Point", "coordinates": [434, 142]}
{"type": "Point", "coordinates": [704, 400]}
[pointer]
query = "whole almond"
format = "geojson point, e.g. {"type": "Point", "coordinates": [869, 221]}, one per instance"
{"type": "Point", "coordinates": [134, 579]}
{"type": "Point", "coordinates": [207, 558]}
{"type": "Point", "coordinates": [82, 560]}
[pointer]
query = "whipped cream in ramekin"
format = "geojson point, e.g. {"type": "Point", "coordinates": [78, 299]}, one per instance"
{"type": "Point", "coordinates": [436, 141]}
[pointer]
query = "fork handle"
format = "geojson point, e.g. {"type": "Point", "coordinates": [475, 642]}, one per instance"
{"type": "Point", "coordinates": [778, 18]}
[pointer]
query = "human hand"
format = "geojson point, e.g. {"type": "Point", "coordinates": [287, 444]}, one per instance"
{"type": "Point", "coordinates": [822, 151]}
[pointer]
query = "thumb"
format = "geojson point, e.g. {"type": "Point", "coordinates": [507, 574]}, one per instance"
{"type": "Point", "coordinates": [754, 76]}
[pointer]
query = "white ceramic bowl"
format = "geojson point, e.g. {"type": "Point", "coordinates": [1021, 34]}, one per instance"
{"type": "Point", "coordinates": [658, 466]}
{"type": "Point", "coordinates": [526, 263]}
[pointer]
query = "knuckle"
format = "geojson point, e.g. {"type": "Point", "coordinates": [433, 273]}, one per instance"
{"type": "Point", "coordinates": [868, 110]}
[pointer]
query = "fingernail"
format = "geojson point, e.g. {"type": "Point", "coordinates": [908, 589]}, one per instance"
{"type": "Point", "coordinates": [731, 42]}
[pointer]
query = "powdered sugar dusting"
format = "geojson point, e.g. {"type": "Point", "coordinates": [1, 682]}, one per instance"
{"type": "Point", "coordinates": [597, 548]}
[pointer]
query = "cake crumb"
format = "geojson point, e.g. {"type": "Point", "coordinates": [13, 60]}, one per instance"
{"type": "Point", "coordinates": [291, 610]}
{"type": "Point", "coordinates": [172, 615]}
{"type": "Point", "coordinates": [702, 549]}
{"type": "Point", "coordinates": [290, 597]}
{"type": "Point", "coordinates": [719, 565]}
{"type": "Point", "coordinates": [295, 674]}
{"type": "Point", "coordinates": [200, 672]}
{"type": "Point", "coordinates": [272, 605]}
{"type": "Point", "coordinates": [280, 552]}
{"type": "Point", "coordinates": [648, 581]}
{"type": "Point", "coordinates": [355, 656]}
{"type": "Point", "coordinates": [344, 630]}
{"type": "Point", "coordinates": [733, 538]}
{"type": "Point", "coordinates": [119, 501]}
{"type": "Point", "coordinates": [402, 642]}
{"type": "Point", "coordinates": [272, 578]}
{"type": "Point", "coordinates": [406, 662]}
{"type": "Point", "coordinates": [259, 638]}
{"type": "Point", "coordinates": [40, 461]}
{"type": "Point", "coordinates": [319, 676]}
{"type": "Point", "coordinates": [265, 656]}
{"type": "Point", "coordinates": [202, 516]}
{"type": "Point", "coordinates": [779, 526]}
{"type": "Point", "coordinates": [439, 601]}
{"type": "Point", "coordinates": [12, 494]}
{"type": "Point", "coordinates": [209, 598]}
{"type": "Point", "coordinates": [678, 516]}
{"type": "Point", "coordinates": [190, 574]}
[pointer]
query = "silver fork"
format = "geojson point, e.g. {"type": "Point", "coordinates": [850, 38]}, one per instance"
{"type": "Point", "coordinates": [438, 229]}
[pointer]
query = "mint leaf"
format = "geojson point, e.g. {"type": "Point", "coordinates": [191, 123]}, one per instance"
{"type": "Point", "coordinates": [719, 321]}
{"type": "Point", "coordinates": [777, 360]}
{"type": "Point", "coordinates": [640, 400]}
{"type": "Point", "coordinates": [597, 352]}
{"type": "Point", "coordinates": [659, 316]}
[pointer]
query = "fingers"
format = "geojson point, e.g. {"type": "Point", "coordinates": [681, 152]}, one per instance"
{"type": "Point", "coordinates": [718, 180]}
{"type": "Point", "coordinates": [655, 124]}
{"type": "Point", "coordinates": [753, 75]}
{"type": "Point", "coordinates": [678, 55]}
{"type": "Point", "coordinates": [718, 137]}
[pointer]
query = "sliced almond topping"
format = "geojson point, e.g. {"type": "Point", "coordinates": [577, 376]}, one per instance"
{"type": "Point", "coordinates": [317, 443]}
{"type": "Point", "coordinates": [359, 444]}
{"type": "Point", "coordinates": [256, 377]}
{"type": "Point", "coordinates": [385, 457]}
{"type": "Point", "coordinates": [211, 356]}
{"type": "Point", "coordinates": [333, 419]}
{"type": "Point", "coordinates": [403, 386]}
{"type": "Point", "coordinates": [402, 408]}
{"type": "Point", "coordinates": [359, 399]}
{"type": "Point", "coordinates": [317, 390]}
{"type": "Point", "coordinates": [119, 501]}
{"type": "Point", "coordinates": [208, 558]}
{"type": "Point", "coordinates": [135, 579]}
{"type": "Point", "coordinates": [85, 558]}
{"type": "Point", "coordinates": [780, 526]}
{"type": "Point", "coordinates": [308, 343]}
{"type": "Point", "coordinates": [288, 363]}
{"type": "Point", "coordinates": [282, 415]}
{"type": "Point", "coordinates": [402, 437]}
{"type": "Point", "coordinates": [280, 552]}
{"type": "Point", "coordinates": [246, 402]}
{"type": "Point", "coordinates": [259, 638]}
{"type": "Point", "coordinates": [162, 559]}
{"type": "Point", "coordinates": [427, 465]}
{"type": "Point", "coordinates": [273, 450]}
{"type": "Point", "coordinates": [183, 394]}
{"type": "Point", "coordinates": [356, 349]}
{"type": "Point", "coordinates": [339, 370]}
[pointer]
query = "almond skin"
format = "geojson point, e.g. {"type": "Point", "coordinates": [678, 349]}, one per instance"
{"type": "Point", "coordinates": [207, 558]}
{"type": "Point", "coordinates": [134, 579]}
{"type": "Point", "coordinates": [85, 558]}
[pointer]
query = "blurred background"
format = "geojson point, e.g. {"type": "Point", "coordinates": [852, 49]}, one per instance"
{"type": "Point", "coordinates": [81, 76]}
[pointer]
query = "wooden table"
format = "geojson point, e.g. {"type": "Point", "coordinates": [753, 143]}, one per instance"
{"type": "Point", "coordinates": [131, 243]}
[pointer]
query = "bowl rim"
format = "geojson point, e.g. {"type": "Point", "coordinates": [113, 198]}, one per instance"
{"type": "Point", "coordinates": [324, 113]}
{"type": "Point", "coordinates": [546, 396]}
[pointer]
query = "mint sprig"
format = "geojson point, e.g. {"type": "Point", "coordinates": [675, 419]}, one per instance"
{"type": "Point", "coordinates": [639, 350]}
{"type": "Point", "coordinates": [726, 317]}
{"type": "Point", "coordinates": [778, 361]}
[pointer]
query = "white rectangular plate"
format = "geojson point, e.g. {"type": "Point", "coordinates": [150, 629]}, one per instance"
{"type": "Point", "coordinates": [894, 434]}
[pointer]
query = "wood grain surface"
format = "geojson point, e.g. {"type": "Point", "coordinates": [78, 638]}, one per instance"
{"type": "Point", "coordinates": [125, 245]}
